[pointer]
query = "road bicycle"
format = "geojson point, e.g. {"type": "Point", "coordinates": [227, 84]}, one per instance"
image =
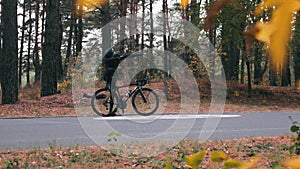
{"type": "Point", "coordinates": [106, 101]}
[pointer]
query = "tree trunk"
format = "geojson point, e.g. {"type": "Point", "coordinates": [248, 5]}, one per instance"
{"type": "Point", "coordinates": [59, 65]}
{"type": "Point", "coordinates": [296, 49]}
{"type": "Point", "coordinates": [70, 37]}
{"type": "Point", "coordinates": [242, 72]}
{"type": "Point", "coordinates": [79, 37]}
{"type": "Point", "coordinates": [36, 59]}
{"type": "Point", "coordinates": [272, 76]}
{"type": "Point", "coordinates": [195, 12]}
{"type": "Point", "coordinates": [286, 73]}
{"type": "Point", "coordinates": [122, 26]}
{"type": "Point", "coordinates": [151, 38]}
{"type": "Point", "coordinates": [249, 77]}
{"type": "Point", "coordinates": [29, 46]}
{"type": "Point", "coordinates": [143, 26]}
{"type": "Point", "coordinates": [1, 49]}
{"type": "Point", "coordinates": [230, 60]}
{"type": "Point", "coordinates": [43, 23]}
{"type": "Point", "coordinates": [22, 44]}
{"type": "Point", "coordinates": [257, 65]}
{"type": "Point", "coordinates": [165, 42]}
{"type": "Point", "coordinates": [50, 49]}
{"type": "Point", "coordinates": [9, 83]}
{"type": "Point", "coordinates": [106, 30]}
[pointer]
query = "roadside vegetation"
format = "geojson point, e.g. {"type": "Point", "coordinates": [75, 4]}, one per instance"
{"type": "Point", "coordinates": [259, 152]}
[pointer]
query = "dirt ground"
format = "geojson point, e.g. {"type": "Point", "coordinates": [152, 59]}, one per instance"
{"type": "Point", "coordinates": [264, 99]}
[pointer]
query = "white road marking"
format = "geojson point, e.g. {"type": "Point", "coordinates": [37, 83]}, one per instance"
{"type": "Point", "coordinates": [168, 117]}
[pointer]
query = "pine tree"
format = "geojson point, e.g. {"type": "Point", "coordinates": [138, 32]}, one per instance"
{"type": "Point", "coordinates": [51, 48]}
{"type": "Point", "coordinates": [9, 58]}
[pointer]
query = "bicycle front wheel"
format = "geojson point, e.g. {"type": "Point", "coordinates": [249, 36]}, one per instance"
{"type": "Point", "coordinates": [145, 101]}
{"type": "Point", "coordinates": [102, 102]}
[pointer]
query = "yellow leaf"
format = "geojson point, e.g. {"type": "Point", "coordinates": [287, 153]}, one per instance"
{"type": "Point", "coordinates": [232, 163]}
{"type": "Point", "coordinates": [184, 3]}
{"type": "Point", "coordinates": [236, 94]}
{"type": "Point", "coordinates": [277, 32]}
{"type": "Point", "coordinates": [187, 166]}
{"type": "Point", "coordinates": [264, 32]}
{"type": "Point", "coordinates": [195, 159]}
{"type": "Point", "coordinates": [298, 84]}
{"type": "Point", "coordinates": [250, 164]}
{"type": "Point", "coordinates": [267, 4]}
{"type": "Point", "coordinates": [293, 163]}
{"type": "Point", "coordinates": [218, 156]}
{"type": "Point", "coordinates": [169, 165]}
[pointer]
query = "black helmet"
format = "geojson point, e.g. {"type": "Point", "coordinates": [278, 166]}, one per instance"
{"type": "Point", "coordinates": [109, 52]}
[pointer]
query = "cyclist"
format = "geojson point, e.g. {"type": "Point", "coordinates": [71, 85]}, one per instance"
{"type": "Point", "coordinates": [111, 62]}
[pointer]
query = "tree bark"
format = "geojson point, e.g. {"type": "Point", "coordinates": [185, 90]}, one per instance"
{"type": "Point", "coordinates": [59, 64]}
{"type": "Point", "coordinates": [257, 65]}
{"type": "Point", "coordinates": [165, 42]}
{"type": "Point", "coordinates": [195, 12]}
{"type": "Point", "coordinates": [249, 77]}
{"type": "Point", "coordinates": [272, 76]}
{"type": "Point", "coordinates": [50, 49]}
{"type": "Point", "coordinates": [79, 37]}
{"type": "Point", "coordinates": [122, 26]}
{"type": "Point", "coordinates": [70, 37]}
{"type": "Point", "coordinates": [106, 30]}
{"type": "Point", "coordinates": [296, 49]}
{"type": "Point", "coordinates": [286, 73]}
{"type": "Point", "coordinates": [36, 59]}
{"type": "Point", "coordinates": [9, 83]}
{"type": "Point", "coordinates": [230, 59]}
{"type": "Point", "coordinates": [22, 44]}
{"type": "Point", "coordinates": [151, 38]}
{"type": "Point", "coordinates": [29, 46]}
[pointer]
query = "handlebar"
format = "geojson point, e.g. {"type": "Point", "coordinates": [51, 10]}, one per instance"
{"type": "Point", "coordinates": [141, 82]}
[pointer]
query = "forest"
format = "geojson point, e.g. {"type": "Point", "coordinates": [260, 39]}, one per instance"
{"type": "Point", "coordinates": [42, 40]}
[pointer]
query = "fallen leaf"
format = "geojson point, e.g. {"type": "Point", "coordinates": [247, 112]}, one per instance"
{"type": "Point", "coordinates": [218, 156]}
{"type": "Point", "coordinates": [195, 160]}
{"type": "Point", "coordinates": [293, 163]}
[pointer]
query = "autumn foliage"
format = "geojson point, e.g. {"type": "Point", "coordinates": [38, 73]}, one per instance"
{"type": "Point", "coordinates": [276, 33]}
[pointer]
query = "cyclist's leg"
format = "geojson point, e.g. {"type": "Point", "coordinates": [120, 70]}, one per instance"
{"type": "Point", "coordinates": [112, 87]}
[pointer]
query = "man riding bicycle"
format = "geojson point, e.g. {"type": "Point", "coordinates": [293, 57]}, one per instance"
{"type": "Point", "coordinates": [111, 62]}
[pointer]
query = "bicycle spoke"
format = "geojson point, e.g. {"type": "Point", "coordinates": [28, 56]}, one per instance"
{"type": "Point", "coordinates": [145, 102]}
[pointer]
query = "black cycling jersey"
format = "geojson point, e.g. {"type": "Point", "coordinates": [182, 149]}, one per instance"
{"type": "Point", "coordinates": [110, 62]}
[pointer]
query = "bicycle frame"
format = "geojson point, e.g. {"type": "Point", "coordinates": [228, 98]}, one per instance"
{"type": "Point", "coordinates": [122, 103]}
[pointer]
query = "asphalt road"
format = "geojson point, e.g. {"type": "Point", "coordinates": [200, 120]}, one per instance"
{"type": "Point", "coordinates": [71, 131]}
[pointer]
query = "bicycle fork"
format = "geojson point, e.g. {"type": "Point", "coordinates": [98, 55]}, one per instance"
{"type": "Point", "coordinates": [143, 96]}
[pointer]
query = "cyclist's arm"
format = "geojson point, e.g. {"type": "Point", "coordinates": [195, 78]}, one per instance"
{"type": "Point", "coordinates": [112, 58]}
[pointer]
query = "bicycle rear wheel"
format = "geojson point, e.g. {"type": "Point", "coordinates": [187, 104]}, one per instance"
{"type": "Point", "coordinates": [145, 101]}
{"type": "Point", "coordinates": [102, 102]}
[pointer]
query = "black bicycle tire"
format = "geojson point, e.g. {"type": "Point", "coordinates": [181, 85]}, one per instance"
{"type": "Point", "coordinates": [96, 110]}
{"type": "Point", "coordinates": [134, 105]}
